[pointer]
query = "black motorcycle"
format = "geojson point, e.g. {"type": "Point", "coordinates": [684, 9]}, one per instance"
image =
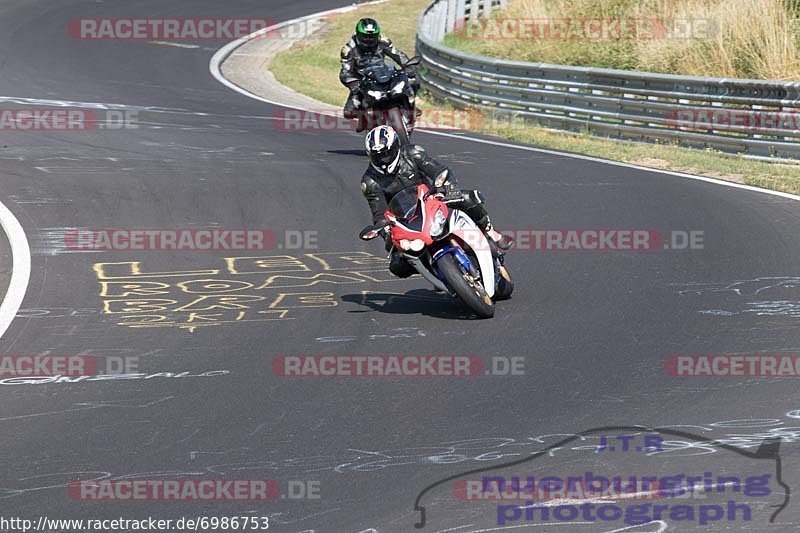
{"type": "Point", "coordinates": [388, 96]}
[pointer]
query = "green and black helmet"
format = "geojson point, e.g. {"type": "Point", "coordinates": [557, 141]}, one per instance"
{"type": "Point", "coordinates": [368, 33]}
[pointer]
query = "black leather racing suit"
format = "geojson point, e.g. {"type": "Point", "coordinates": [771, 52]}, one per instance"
{"type": "Point", "coordinates": [414, 167]}
{"type": "Point", "coordinates": [354, 57]}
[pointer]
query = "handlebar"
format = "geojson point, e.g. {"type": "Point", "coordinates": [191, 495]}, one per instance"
{"type": "Point", "coordinates": [453, 197]}
{"type": "Point", "coordinates": [449, 197]}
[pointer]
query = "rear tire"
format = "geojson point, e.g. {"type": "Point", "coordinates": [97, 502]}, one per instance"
{"type": "Point", "coordinates": [474, 296]}
{"type": "Point", "coordinates": [504, 286]}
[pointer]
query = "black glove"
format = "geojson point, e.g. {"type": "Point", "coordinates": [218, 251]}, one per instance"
{"type": "Point", "coordinates": [451, 194]}
{"type": "Point", "coordinates": [354, 86]}
{"type": "Point", "coordinates": [448, 188]}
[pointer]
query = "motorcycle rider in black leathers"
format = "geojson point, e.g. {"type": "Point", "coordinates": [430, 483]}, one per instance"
{"type": "Point", "coordinates": [393, 168]}
{"type": "Point", "coordinates": [366, 43]}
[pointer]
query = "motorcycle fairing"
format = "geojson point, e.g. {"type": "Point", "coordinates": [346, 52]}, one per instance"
{"type": "Point", "coordinates": [471, 236]}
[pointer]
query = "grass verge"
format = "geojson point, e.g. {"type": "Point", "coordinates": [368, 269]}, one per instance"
{"type": "Point", "coordinates": [721, 38]}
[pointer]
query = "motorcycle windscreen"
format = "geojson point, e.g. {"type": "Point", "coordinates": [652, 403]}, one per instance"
{"type": "Point", "coordinates": [379, 70]}
{"type": "Point", "coordinates": [404, 205]}
{"type": "Point", "coordinates": [384, 74]}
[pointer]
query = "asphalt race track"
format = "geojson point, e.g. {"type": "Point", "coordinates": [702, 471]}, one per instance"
{"type": "Point", "coordinates": [594, 328]}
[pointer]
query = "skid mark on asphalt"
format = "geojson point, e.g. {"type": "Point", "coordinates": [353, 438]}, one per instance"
{"type": "Point", "coordinates": [745, 434]}
{"type": "Point", "coordinates": [44, 102]}
{"type": "Point", "coordinates": [789, 309]}
{"type": "Point", "coordinates": [769, 296]}
{"type": "Point", "coordinates": [183, 155]}
{"type": "Point", "coordinates": [176, 45]}
{"type": "Point", "coordinates": [56, 241]}
{"type": "Point", "coordinates": [750, 287]}
{"type": "Point", "coordinates": [80, 240]}
{"type": "Point", "coordinates": [99, 378]}
{"type": "Point", "coordinates": [84, 406]}
{"type": "Point", "coordinates": [32, 196]}
{"type": "Point", "coordinates": [58, 312]}
{"type": "Point", "coordinates": [399, 333]}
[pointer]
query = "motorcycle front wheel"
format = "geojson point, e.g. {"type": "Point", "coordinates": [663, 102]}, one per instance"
{"type": "Point", "coordinates": [468, 289]}
{"type": "Point", "coordinates": [396, 121]}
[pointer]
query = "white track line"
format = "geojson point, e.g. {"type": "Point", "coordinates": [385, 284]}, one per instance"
{"type": "Point", "coordinates": [618, 164]}
{"type": "Point", "coordinates": [219, 57]}
{"type": "Point", "coordinates": [20, 269]}
{"type": "Point", "coordinates": [215, 65]}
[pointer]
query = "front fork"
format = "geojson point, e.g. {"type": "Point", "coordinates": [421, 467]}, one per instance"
{"type": "Point", "coordinates": [434, 276]}
{"type": "Point", "coordinates": [498, 257]}
{"type": "Point", "coordinates": [455, 251]}
{"type": "Point", "coordinates": [425, 272]}
{"type": "Point", "coordinates": [431, 273]}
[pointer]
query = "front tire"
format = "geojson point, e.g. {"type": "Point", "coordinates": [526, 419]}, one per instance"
{"type": "Point", "coordinates": [466, 287]}
{"type": "Point", "coordinates": [396, 121]}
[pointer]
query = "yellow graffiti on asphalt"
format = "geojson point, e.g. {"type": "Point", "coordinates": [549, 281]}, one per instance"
{"type": "Point", "coordinates": [241, 290]}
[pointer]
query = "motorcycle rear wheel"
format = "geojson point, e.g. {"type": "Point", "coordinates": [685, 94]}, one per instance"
{"type": "Point", "coordinates": [504, 285]}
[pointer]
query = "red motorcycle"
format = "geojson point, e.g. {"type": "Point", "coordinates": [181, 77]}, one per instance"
{"type": "Point", "coordinates": [446, 247]}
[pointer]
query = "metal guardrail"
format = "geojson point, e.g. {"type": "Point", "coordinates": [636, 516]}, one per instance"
{"type": "Point", "coordinates": [755, 117]}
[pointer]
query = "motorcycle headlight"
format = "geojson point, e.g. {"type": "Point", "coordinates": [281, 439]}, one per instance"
{"type": "Point", "coordinates": [399, 86]}
{"type": "Point", "coordinates": [437, 226]}
{"type": "Point", "coordinates": [415, 245]}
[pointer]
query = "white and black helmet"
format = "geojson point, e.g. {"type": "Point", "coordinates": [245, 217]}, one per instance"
{"type": "Point", "coordinates": [383, 148]}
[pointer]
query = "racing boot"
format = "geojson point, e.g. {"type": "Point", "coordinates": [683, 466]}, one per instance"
{"type": "Point", "coordinates": [502, 241]}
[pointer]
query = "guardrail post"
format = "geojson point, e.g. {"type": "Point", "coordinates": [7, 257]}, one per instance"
{"type": "Point", "coordinates": [461, 10]}
{"type": "Point", "coordinates": [452, 14]}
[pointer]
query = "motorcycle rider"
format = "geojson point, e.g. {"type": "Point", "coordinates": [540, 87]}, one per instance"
{"type": "Point", "coordinates": [393, 167]}
{"type": "Point", "coordinates": [366, 43]}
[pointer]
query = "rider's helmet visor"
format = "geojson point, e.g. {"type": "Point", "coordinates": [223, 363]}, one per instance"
{"type": "Point", "coordinates": [385, 157]}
